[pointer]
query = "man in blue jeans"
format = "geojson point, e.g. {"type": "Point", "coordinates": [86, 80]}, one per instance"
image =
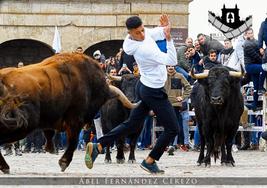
{"type": "Point", "coordinates": [140, 42]}
{"type": "Point", "coordinates": [254, 67]}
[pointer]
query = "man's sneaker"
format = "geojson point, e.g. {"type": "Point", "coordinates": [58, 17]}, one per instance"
{"type": "Point", "coordinates": [196, 148]}
{"type": "Point", "coordinates": [245, 147]}
{"type": "Point", "coordinates": [254, 147]}
{"type": "Point", "coordinates": [18, 152]}
{"type": "Point", "coordinates": [91, 154]}
{"type": "Point", "coordinates": [151, 168]}
{"type": "Point", "coordinates": [8, 152]}
{"type": "Point", "coordinates": [261, 91]}
{"type": "Point", "coordinates": [171, 150]}
{"type": "Point", "coordinates": [184, 148]}
{"type": "Point", "coordinates": [262, 144]}
{"type": "Point", "coordinates": [234, 148]}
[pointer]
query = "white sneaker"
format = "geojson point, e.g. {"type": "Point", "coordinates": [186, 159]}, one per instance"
{"type": "Point", "coordinates": [262, 145]}
{"type": "Point", "coordinates": [264, 66]}
{"type": "Point", "coordinates": [234, 148]}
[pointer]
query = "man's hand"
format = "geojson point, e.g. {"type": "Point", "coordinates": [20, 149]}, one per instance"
{"type": "Point", "coordinates": [179, 99]}
{"type": "Point", "coordinates": [201, 62]}
{"type": "Point", "coordinates": [164, 20]}
{"type": "Point", "coordinates": [262, 51]}
{"type": "Point", "coordinates": [167, 32]}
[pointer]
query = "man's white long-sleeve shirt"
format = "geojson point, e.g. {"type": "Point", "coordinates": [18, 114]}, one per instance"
{"type": "Point", "coordinates": [151, 61]}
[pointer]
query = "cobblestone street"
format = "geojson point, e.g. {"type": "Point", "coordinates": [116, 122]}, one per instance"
{"type": "Point", "coordinates": [182, 164]}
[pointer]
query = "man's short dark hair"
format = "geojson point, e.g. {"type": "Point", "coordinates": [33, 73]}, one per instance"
{"type": "Point", "coordinates": [212, 51]}
{"type": "Point", "coordinates": [133, 22]}
{"type": "Point", "coordinates": [249, 29]}
{"type": "Point", "coordinates": [188, 47]}
{"type": "Point", "coordinates": [225, 40]}
{"type": "Point", "coordinates": [200, 34]}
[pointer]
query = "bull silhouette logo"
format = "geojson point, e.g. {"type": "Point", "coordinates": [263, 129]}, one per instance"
{"type": "Point", "coordinates": [229, 23]}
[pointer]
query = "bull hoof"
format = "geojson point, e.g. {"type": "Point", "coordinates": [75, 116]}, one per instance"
{"type": "Point", "coordinates": [230, 164]}
{"type": "Point", "coordinates": [207, 165]}
{"type": "Point", "coordinates": [50, 149]}
{"type": "Point", "coordinates": [223, 164]}
{"type": "Point", "coordinates": [120, 161]}
{"type": "Point", "coordinates": [108, 161]}
{"type": "Point", "coordinates": [131, 161]}
{"type": "Point", "coordinates": [6, 171]}
{"type": "Point", "coordinates": [63, 165]}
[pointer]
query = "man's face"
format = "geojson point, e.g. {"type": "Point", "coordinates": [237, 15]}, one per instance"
{"type": "Point", "coordinates": [170, 69]}
{"type": "Point", "coordinates": [197, 46]}
{"type": "Point", "coordinates": [227, 44]}
{"type": "Point", "coordinates": [189, 42]}
{"type": "Point", "coordinates": [201, 39]}
{"type": "Point", "coordinates": [213, 57]}
{"type": "Point", "coordinates": [250, 35]}
{"type": "Point", "coordinates": [137, 33]}
{"type": "Point", "coordinates": [191, 52]}
{"type": "Point", "coordinates": [113, 72]}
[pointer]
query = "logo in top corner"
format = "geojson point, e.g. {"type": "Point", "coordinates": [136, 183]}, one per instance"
{"type": "Point", "coordinates": [229, 23]}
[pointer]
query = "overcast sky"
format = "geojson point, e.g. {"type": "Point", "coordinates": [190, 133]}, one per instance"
{"type": "Point", "coordinates": [198, 17]}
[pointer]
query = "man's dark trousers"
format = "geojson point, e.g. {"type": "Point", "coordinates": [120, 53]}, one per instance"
{"type": "Point", "coordinates": [152, 99]}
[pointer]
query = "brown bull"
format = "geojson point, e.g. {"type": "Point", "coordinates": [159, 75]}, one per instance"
{"type": "Point", "coordinates": [63, 92]}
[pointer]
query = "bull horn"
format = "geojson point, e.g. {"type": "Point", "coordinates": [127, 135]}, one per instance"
{"type": "Point", "coordinates": [235, 74]}
{"type": "Point", "coordinates": [199, 75]}
{"type": "Point", "coordinates": [238, 74]}
{"type": "Point", "coordinates": [115, 78]}
{"type": "Point", "coordinates": [125, 101]}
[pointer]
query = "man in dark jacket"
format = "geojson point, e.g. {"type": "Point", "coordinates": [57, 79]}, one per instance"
{"type": "Point", "coordinates": [194, 59]}
{"type": "Point", "coordinates": [126, 60]}
{"type": "Point", "coordinates": [206, 44]}
{"type": "Point", "coordinates": [262, 37]}
{"type": "Point", "coordinates": [211, 60]}
{"type": "Point", "coordinates": [254, 66]}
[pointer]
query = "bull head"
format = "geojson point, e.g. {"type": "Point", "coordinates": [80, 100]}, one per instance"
{"type": "Point", "coordinates": [11, 115]}
{"type": "Point", "coordinates": [206, 73]}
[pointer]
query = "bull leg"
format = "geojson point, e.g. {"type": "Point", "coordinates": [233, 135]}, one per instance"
{"type": "Point", "coordinates": [49, 144]}
{"type": "Point", "coordinates": [202, 149]}
{"type": "Point", "coordinates": [229, 158]}
{"type": "Point", "coordinates": [209, 150]}
{"type": "Point", "coordinates": [132, 148]}
{"type": "Point", "coordinates": [223, 155]}
{"type": "Point", "coordinates": [108, 157]}
{"type": "Point", "coordinates": [72, 135]}
{"type": "Point", "coordinates": [120, 153]}
{"type": "Point", "coordinates": [3, 165]}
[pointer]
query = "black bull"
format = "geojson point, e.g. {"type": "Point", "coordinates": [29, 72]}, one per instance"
{"type": "Point", "coordinates": [62, 92]}
{"type": "Point", "coordinates": [113, 113]}
{"type": "Point", "coordinates": [218, 104]}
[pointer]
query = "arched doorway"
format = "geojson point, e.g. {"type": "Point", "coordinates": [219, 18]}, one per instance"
{"type": "Point", "coordinates": [108, 48]}
{"type": "Point", "coordinates": [26, 50]}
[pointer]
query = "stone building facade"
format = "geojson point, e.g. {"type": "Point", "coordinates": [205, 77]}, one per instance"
{"type": "Point", "coordinates": [84, 23]}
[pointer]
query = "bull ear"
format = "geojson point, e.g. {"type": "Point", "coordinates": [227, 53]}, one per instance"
{"type": "Point", "coordinates": [203, 82]}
